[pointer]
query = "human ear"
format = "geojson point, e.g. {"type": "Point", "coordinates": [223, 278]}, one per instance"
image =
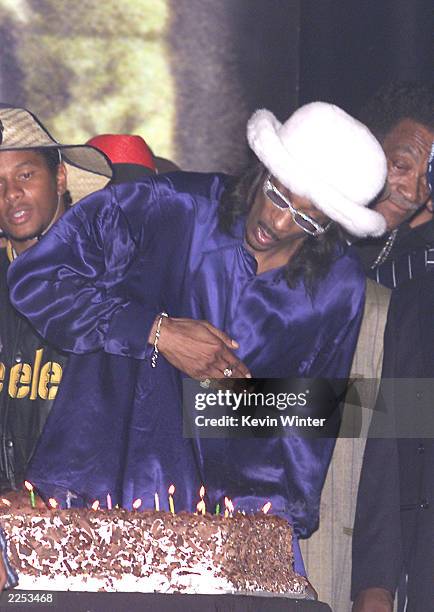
{"type": "Point", "coordinates": [61, 179]}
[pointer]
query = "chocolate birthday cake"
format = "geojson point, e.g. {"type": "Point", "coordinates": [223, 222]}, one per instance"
{"type": "Point", "coordinates": [117, 550]}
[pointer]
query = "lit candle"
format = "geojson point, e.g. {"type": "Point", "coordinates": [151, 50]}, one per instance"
{"type": "Point", "coordinates": [109, 502]}
{"type": "Point", "coordinates": [266, 507]}
{"type": "Point", "coordinates": [229, 507]}
{"type": "Point", "coordinates": [6, 502]}
{"type": "Point", "coordinates": [201, 505]}
{"type": "Point", "coordinates": [157, 502]}
{"type": "Point", "coordinates": [217, 509]}
{"type": "Point", "coordinates": [137, 503]}
{"type": "Point", "coordinates": [52, 503]}
{"type": "Point", "coordinates": [29, 488]}
{"type": "Point", "coordinates": [171, 491]}
{"type": "Point", "coordinates": [95, 505]}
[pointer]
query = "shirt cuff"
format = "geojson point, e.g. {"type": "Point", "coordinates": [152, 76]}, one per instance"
{"type": "Point", "coordinates": [129, 330]}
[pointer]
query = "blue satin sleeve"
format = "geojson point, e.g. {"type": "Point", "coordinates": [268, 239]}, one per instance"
{"type": "Point", "coordinates": [11, 575]}
{"type": "Point", "coordinates": [71, 286]}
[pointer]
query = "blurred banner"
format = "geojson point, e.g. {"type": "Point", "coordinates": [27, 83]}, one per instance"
{"type": "Point", "coordinates": [184, 74]}
{"type": "Point", "coordinates": [187, 74]}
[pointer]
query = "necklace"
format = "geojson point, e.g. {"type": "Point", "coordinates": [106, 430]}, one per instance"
{"type": "Point", "coordinates": [385, 251]}
{"type": "Point", "coordinates": [10, 251]}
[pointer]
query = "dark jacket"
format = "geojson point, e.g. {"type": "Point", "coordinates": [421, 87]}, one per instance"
{"type": "Point", "coordinates": [394, 526]}
{"type": "Point", "coordinates": [406, 241]}
{"type": "Point", "coordinates": [30, 371]}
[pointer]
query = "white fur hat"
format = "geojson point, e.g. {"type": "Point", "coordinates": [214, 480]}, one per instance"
{"type": "Point", "coordinates": [324, 154]}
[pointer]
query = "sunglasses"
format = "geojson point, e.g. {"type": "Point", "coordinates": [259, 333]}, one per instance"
{"type": "Point", "coordinates": [304, 221]}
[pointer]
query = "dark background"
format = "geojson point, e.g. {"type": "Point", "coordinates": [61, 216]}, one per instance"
{"type": "Point", "coordinates": [240, 55]}
{"type": "Point", "coordinates": [348, 49]}
{"type": "Point", "coordinates": [226, 58]}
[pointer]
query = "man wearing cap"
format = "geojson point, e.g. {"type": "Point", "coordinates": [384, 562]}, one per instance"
{"type": "Point", "coordinates": [131, 158]}
{"type": "Point", "coordinates": [198, 275]}
{"type": "Point", "coordinates": [38, 180]}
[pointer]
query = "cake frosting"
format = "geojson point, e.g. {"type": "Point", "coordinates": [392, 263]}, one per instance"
{"type": "Point", "coordinates": [118, 550]}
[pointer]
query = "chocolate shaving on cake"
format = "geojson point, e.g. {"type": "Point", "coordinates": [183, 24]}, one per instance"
{"type": "Point", "coordinates": [150, 551]}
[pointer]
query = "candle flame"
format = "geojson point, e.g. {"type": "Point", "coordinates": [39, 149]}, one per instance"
{"type": "Point", "coordinates": [52, 503]}
{"type": "Point", "coordinates": [202, 492]}
{"type": "Point", "coordinates": [137, 503]}
{"type": "Point", "coordinates": [28, 485]}
{"type": "Point", "coordinates": [95, 505]}
{"type": "Point", "coordinates": [229, 505]}
{"type": "Point", "coordinates": [266, 507]}
{"type": "Point", "coordinates": [6, 502]}
{"type": "Point", "coordinates": [171, 489]}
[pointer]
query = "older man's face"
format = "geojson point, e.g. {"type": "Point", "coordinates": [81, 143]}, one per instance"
{"type": "Point", "coordinates": [407, 147]}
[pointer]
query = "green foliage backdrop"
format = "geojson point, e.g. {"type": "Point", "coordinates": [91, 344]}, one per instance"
{"type": "Point", "coordinates": [87, 67]}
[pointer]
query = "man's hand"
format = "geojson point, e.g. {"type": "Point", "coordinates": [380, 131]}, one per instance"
{"type": "Point", "coordinates": [198, 349]}
{"type": "Point", "coordinates": [373, 600]}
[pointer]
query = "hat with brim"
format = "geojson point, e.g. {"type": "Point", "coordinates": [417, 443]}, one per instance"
{"type": "Point", "coordinates": [87, 169]}
{"type": "Point", "coordinates": [327, 156]}
{"type": "Point", "coordinates": [165, 165]}
{"type": "Point", "coordinates": [130, 173]}
{"type": "Point", "coordinates": [130, 156]}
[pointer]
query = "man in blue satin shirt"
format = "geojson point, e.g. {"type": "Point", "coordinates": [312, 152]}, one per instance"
{"type": "Point", "coordinates": [197, 275]}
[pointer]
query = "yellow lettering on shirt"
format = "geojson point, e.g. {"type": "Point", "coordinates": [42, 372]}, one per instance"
{"type": "Point", "coordinates": [19, 380]}
{"type": "Point", "coordinates": [32, 380]}
{"type": "Point", "coordinates": [49, 380]}
{"type": "Point", "coordinates": [36, 368]}
{"type": "Point", "coordinates": [2, 375]}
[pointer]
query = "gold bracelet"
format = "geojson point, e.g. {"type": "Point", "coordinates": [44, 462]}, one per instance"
{"type": "Point", "coordinates": [156, 339]}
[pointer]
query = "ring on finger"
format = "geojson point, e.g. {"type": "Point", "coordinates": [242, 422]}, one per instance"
{"type": "Point", "coordinates": [227, 372]}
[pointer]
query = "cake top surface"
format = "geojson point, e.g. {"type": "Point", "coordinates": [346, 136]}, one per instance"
{"type": "Point", "coordinates": [247, 552]}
